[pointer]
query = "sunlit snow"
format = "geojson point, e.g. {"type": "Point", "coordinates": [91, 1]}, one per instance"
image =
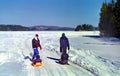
{"type": "Point", "coordinates": [90, 54]}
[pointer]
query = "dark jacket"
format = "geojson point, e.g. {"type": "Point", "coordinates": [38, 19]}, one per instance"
{"type": "Point", "coordinates": [36, 60]}
{"type": "Point", "coordinates": [64, 58]}
{"type": "Point", "coordinates": [64, 43]}
{"type": "Point", "coordinates": [36, 43]}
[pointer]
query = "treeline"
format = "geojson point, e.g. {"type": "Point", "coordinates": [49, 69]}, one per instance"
{"type": "Point", "coordinates": [109, 24]}
{"type": "Point", "coordinates": [13, 28]}
{"type": "Point", "coordinates": [85, 27]}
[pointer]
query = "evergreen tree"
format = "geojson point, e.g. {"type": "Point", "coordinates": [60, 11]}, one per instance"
{"type": "Point", "coordinates": [106, 25]}
{"type": "Point", "coordinates": [111, 28]}
{"type": "Point", "coordinates": [117, 17]}
{"type": "Point", "coordinates": [78, 28]}
{"type": "Point", "coordinates": [103, 18]}
{"type": "Point", "coordinates": [84, 27]}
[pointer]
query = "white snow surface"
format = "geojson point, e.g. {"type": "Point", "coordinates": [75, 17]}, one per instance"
{"type": "Point", "coordinates": [89, 54]}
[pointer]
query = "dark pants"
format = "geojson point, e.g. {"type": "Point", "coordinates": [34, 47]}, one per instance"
{"type": "Point", "coordinates": [64, 58]}
{"type": "Point", "coordinates": [63, 50]}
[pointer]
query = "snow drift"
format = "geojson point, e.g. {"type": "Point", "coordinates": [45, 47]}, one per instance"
{"type": "Point", "coordinates": [86, 54]}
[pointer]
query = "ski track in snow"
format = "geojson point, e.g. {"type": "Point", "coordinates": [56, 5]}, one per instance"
{"type": "Point", "coordinates": [82, 62]}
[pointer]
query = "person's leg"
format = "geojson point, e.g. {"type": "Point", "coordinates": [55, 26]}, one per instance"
{"type": "Point", "coordinates": [33, 56]}
{"type": "Point", "coordinates": [64, 51]}
{"type": "Point", "coordinates": [36, 52]}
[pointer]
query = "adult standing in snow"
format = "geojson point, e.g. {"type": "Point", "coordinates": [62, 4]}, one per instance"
{"type": "Point", "coordinates": [64, 44]}
{"type": "Point", "coordinates": [35, 45]}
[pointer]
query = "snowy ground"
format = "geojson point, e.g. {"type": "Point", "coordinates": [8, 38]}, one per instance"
{"type": "Point", "coordinates": [90, 55]}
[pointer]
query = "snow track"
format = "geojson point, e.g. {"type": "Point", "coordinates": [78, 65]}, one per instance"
{"type": "Point", "coordinates": [82, 62]}
{"type": "Point", "coordinates": [51, 68]}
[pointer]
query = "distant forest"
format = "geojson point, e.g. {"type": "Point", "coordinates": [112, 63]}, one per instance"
{"type": "Point", "coordinates": [11, 27]}
{"type": "Point", "coordinates": [84, 27]}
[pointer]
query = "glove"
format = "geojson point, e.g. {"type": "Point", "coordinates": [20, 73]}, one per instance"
{"type": "Point", "coordinates": [40, 48]}
{"type": "Point", "coordinates": [68, 48]}
{"type": "Point", "coordinates": [60, 49]}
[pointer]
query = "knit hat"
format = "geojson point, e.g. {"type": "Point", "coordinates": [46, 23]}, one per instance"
{"type": "Point", "coordinates": [36, 35]}
{"type": "Point", "coordinates": [63, 34]}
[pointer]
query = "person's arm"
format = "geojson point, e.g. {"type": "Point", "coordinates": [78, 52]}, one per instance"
{"type": "Point", "coordinates": [33, 43]}
{"type": "Point", "coordinates": [33, 62]}
{"type": "Point", "coordinates": [68, 44]}
{"type": "Point", "coordinates": [39, 44]}
{"type": "Point", "coordinates": [40, 60]}
{"type": "Point", "coordinates": [60, 45]}
{"type": "Point", "coordinates": [40, 47]}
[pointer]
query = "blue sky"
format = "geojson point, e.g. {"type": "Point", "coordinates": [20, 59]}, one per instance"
{"type": "Point", "coordinates": [67, 13]}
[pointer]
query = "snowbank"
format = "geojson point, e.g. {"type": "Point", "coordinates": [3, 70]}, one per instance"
{"type": "Point", "coordinates": [88, 54]}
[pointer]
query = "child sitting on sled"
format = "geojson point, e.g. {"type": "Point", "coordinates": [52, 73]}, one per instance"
{"type": "Point", "coordinates": [37, 61]}
{"type": "Point", "coordinates": [64, 58]}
